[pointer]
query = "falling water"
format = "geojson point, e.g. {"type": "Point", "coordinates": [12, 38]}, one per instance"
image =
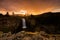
{"type": "Point", "coordinates": [24, 23]}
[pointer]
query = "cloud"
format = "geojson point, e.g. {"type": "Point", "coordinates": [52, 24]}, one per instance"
{"type": "Point", "coordinates": [39, 5]}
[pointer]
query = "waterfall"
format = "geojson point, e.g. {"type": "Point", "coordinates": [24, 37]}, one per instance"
{"type": "Point", "coordinates": [24, 23]}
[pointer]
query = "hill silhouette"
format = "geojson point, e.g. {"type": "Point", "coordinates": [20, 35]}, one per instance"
{"type": "Point", "coordinates": [48, 22]}
{"type": "Point", "coordinates": [10, 23]}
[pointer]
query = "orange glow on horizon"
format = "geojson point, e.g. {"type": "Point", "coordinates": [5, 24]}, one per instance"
{"type": "Point", "coordinates": [21, 12]}
{"type": "Point", "coordinates": [34, 7]}
{"type": "Point", "coordinates": [29, 12]}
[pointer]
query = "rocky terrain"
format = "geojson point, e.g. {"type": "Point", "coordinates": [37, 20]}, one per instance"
{"type": "Point", "coordinates": [48, 22]}
{"type": "Point", "coordinates": [25, 36]}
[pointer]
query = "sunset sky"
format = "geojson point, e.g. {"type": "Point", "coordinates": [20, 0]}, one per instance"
{"type": "Point", "coordinates": [31, 6]}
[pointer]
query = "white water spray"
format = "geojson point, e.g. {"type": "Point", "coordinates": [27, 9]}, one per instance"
{"type": "Point", "coordinates": [24, 23]}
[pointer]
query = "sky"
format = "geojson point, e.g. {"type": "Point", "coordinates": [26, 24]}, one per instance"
{"type": "Point", "coordinates": [31, 6]}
